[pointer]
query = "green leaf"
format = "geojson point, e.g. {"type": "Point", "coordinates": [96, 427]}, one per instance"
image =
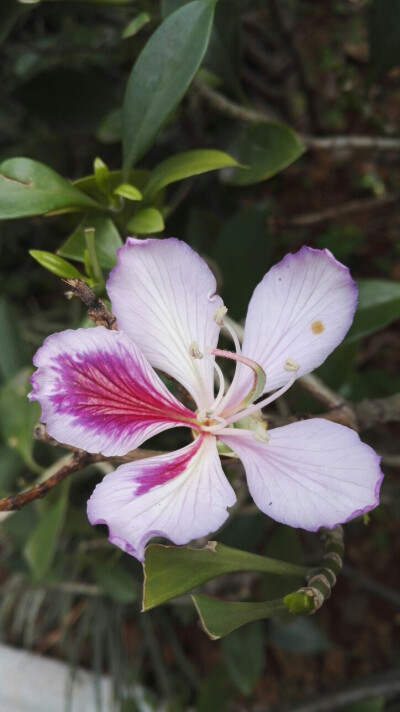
{"type": "Point", "coordinates": [243, 656]}
{"type": "Point", "coordinates": [101, 175]}
{"type": "Point", "coordinates": [162, 74]}
{"type": "Point", "coordinates": [42, 545]}
{"type": "Point", "coordinates": [384, 36]}
{"type": "Point", "coordinates": [128, 191]}
{"type": "Point", "coordinates": [115, 581]}
{"type": "Point", "coordinates": [146, 222]}
{"type": "Point", "coordinates": [88, 184]}
{"type": "Point", "coordinates": [185, 165]}
{"type": "Point", "coordinates": [136, 24]}
{"type": "Point", "coordinates": [109, 129]}
{"type": "Point", "coordinates": [107, 241]}
{"type": "Point", "coordinates": [12, 346]}
{"type": "Point", "coordinates": [170, 571]}
{"type": "Point", "coordinates": [18, 416]}
{"type": "Point", "coordinates": [267, 148]}
{"type": "Point", "coordinates": [378, 306]}
{"type": "Point", "coordinates": [218, 618]}
{"type": "Point", "coordinates": [31, 188]}
{"type": "Point", "coordinates": [224, 54]}
{"type": "Point", "coordinates": [169, 6]}
{"type": "Point", "coordinates": [56, 265]}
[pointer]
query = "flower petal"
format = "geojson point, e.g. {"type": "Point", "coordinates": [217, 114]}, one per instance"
{"type": "Point", "coordinates": [310, 474]}
{"type": "Point", "coordinates": [162, 294]}
{"type": "Point", "coordinates": [182, 495]}
{"type": "Point", "coordinates": [301, 310]}
{"type": "Point", "coordinates": [98, 392]}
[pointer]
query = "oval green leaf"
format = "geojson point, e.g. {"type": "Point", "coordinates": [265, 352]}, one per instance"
{"type": "Point", "coordinates": [42, 545]}
{"type": "Point", "coordinates": [30, 188]}
{"type": "Point", "coordinates": [218, 618]}
{"type": "Point", "coordinates": [56, 265]}
{"type": "Point", "coordinates": [125, 190]}
{"type": "Point", "coordinates": [107, 241]}
{"type": "Point", "coordinates": [267, 148]}
{"type": "Point", "coordinates": [146, 222]}
{"type": "Point", "coordinates": [170, 571]}
{"type": "Point", "coordinates": [18, 416]}
{"type": "Point", "coordinates": [243, 653]}
{"type": "Point", "coordinates": [185, 165]}
{"type": "Point", "coordinates": [162, 74]}
{"type": "Point", "coordinates": [136, 24]}
{"type": "Point", "coordinates": [378, 306]}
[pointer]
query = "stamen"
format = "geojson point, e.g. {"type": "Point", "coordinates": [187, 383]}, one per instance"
{"type": "Point", "coordinates": [259, 375]}
{"type": "Point", "coordinates": [261, 404]}
{"type": "Point", "coordinates": [218, 318]}
{"type": "Point", "coordinates": [219, 314]}
{"type": "Point", "coordinates": [291, 365]}
{"type": "Point", "coordinates": [194, 350]}
{"type": "Point", "coordinates": [221, 390]}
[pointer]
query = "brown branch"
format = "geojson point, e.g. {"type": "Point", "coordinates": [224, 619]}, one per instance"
{"type": "Point", "coordinates": [77, 461]}
{"type": "Point", "coordinates": [338, 143]}
{"type": "Point", "coordinates": [314, 143]}
{"type": "Point", "coordinates": [97, 310]}
{"type": "Point", "coordinates": [377, 411]}
{"type": "Point", "coordinates": [353, 206]}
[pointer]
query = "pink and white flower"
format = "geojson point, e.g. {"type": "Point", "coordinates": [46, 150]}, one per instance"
{"type": "Point", "coordinates": [99, 392]}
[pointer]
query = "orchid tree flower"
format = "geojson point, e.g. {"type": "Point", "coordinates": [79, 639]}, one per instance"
{"type": "Point", "coordinates": [100, 392]}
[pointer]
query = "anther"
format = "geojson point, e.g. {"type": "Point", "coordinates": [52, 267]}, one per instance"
{"type": "Point", "coordinates": [202, 415]}
{"type": "Point", "coordinates": [194, 350]}
{"type": "Point", "coordinates": [219, 314]}
{"type": "Point", "coordinates": [291, 365]}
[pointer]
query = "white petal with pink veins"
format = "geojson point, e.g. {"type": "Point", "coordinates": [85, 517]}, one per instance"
{"type": "Point", "coordinates": [309, 474]}
{"type": "Point", "coordinates": [99, 393]}
{"type": "Point", "coordinates": [301, 310]}
{"type": "Point", "coordinates": [182, 495]}
{"type": "Point", "coordinates": [163, 295]}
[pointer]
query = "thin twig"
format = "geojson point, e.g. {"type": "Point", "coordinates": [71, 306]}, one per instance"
{"type": "Point", "coordinates": [97, 310]}
{"type": "Point", "coordinates": [353, 206]}
{"type": "Point", "coordinates": [320, 391]}
{"type": "Point", "coordinates": [41, 434]}
{"type": "Point", "coordinates": [338, 143]}
{"type": "Point", "coordinates": [77, 461]}
{"type": "Point", "coordinates": [390, 460]}
{"type": "Point", "coordinates": [314, 143]}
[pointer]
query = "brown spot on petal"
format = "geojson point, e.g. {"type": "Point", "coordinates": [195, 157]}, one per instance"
{"type": "Point", "coordinates": [317, 327]}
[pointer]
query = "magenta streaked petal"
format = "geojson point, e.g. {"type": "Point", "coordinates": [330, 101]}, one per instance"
{"type": "Point", "coordinates": [163, 295]}
{"type": "Point", "coordinates": [310, 474]}
{"type": "Point", "coordinates": [99, 393]}
{"type": "Point", "coordinates": [301, 310]}
{"type": "Point", "coordinates": [182, 495]}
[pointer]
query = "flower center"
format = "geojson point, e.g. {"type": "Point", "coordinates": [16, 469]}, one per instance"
{"type": "Point", "coordinates": [211, 419]}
